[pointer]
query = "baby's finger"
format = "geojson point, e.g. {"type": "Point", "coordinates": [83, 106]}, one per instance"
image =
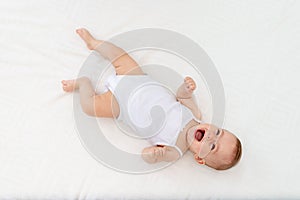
{"type": "Point", "coordinates": [187, 78]}
{"type": "Point", "coordinates": [162, 151]}
{"type": "Point", "coordinates": [157, 152]}
{"type": "Point", "coordinates": [189, 81]}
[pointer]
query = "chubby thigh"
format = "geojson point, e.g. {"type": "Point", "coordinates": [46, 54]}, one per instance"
{"type": "Point", "coordinates": [106, 105]}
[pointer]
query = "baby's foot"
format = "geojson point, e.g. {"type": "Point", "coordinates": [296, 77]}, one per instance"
{"type": "Point", "coordinates": [69, 85]}
{"type": "Point", "coordinates": [90, 41]}
{"type": "Point", "coordinates": [186, 90]}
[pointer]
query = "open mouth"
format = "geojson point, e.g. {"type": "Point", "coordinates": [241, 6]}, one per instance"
{"type": "Point", "coordinates": [199, 134]}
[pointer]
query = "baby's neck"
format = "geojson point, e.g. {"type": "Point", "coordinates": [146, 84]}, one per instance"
{"type": "Point", "coordinates": [182, 137]}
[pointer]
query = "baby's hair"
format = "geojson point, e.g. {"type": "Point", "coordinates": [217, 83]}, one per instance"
{"type": "Point", "coordinates": [237, 154]}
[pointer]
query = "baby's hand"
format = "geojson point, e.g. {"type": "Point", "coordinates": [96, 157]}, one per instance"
{"type": "Point", "coordinates": [154, 154]}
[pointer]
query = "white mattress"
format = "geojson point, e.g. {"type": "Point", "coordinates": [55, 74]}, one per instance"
{"type": "Point", "coordinates": [254, 45]}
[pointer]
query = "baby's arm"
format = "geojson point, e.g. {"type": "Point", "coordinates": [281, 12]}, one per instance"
{"type": "Point", "coordinates": [184, 96]}
{"type": "Point", "coordinates": [191, 104]}
{"type": "Point", "coordinates": [156, 154]}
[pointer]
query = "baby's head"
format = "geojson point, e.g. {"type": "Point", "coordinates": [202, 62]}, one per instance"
{"type": "Point", "coordinates": [214, 147]}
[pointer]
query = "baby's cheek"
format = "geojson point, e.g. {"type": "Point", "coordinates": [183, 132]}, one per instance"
{"type": "Point", "coordinates": [195, 147]}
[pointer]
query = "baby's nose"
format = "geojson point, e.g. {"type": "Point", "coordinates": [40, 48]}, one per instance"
{"type": "Point", "coordinates": [211, 135]}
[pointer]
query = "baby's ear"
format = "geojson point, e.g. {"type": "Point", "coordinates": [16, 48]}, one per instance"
{"type": "Point", "coordinates": [199, 160]}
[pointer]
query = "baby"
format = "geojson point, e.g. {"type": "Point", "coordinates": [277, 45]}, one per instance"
{"type": "Point", "coordinates": [182, 131]}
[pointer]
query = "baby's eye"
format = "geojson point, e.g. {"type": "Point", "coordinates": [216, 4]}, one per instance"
{"type": "Point", "coordinates": [212, 147]}
{"type": "Point", "coordinates": [218, 132]}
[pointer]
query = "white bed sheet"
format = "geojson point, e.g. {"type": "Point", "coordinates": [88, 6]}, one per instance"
{"type": "Point", "coordinates": [254, 45]}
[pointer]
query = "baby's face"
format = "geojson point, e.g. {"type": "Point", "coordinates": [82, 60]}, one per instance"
{"type": "Point", "coordinates": [211, 143]}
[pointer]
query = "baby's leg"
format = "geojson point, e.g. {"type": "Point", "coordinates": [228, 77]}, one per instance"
{"type": "Point", "coordinates": [122, 62]}
{"type": "Point", "coordinates": [103, 105]}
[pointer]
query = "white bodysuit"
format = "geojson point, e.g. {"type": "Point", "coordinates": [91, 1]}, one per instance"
{"type": "Point", "coordinates": [149, 108]}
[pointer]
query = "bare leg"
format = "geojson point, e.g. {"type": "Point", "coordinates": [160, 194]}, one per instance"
{"type": "Point", "coordinates": [184, 96]}
{"type": "Point", "coordinates": [89, 40]}
{"type": "Point", "coordinates": [122, 62]}
{"type": "Point", "coordinates": [103, 105]}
